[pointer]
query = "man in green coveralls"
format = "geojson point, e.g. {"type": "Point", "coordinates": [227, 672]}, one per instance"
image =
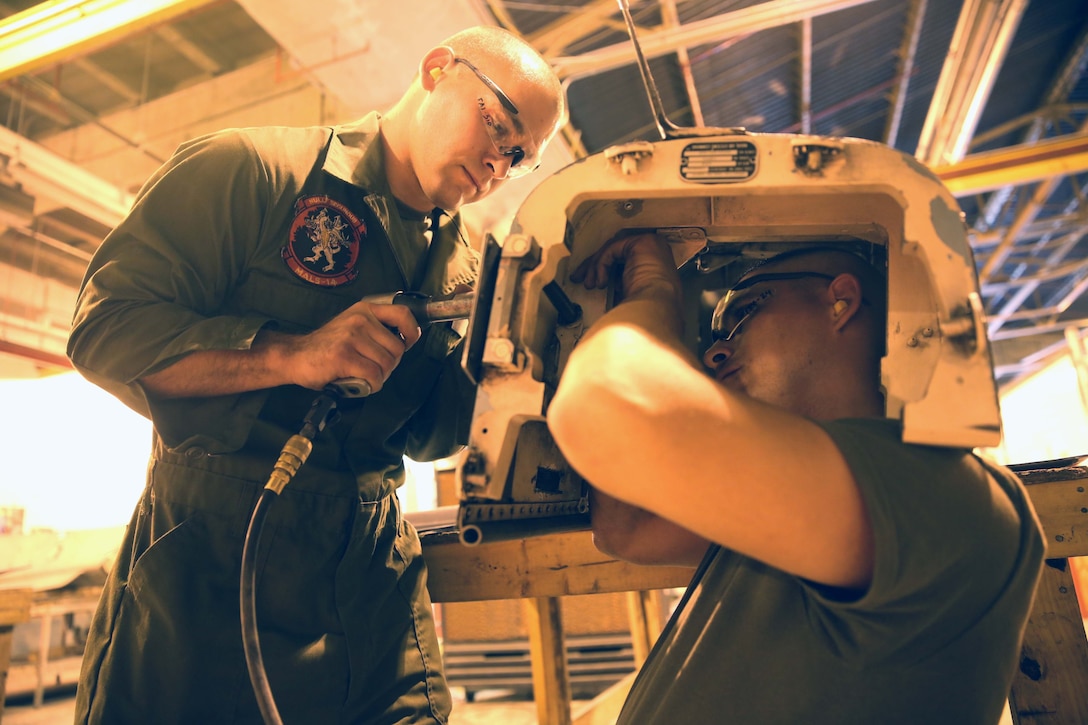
{"type": "Point", "coordinates": [220, 305]}
{"type": "Point", "coordinates": [844, 576]}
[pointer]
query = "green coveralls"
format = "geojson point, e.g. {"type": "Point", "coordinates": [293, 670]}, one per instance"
{"type": "Point", "coordinates": [242, 230]}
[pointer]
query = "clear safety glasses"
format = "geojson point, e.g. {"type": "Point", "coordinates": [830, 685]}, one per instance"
{"type": "Point", "coordinates": [500, 124]}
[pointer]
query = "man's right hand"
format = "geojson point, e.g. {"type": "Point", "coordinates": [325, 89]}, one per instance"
{"type": "Point", "coordinates": [365, 341]}
{"type": "Point", "coordinates": [648, 266]}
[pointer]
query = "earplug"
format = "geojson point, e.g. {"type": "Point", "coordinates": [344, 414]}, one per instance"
{"type": "Point", "coordinates": [435, 72]}
{"type": "Point", "coordinates": [839, 307]}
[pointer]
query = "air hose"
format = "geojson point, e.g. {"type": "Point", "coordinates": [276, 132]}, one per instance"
{"type": "Point", "coordinates": [294, 454]}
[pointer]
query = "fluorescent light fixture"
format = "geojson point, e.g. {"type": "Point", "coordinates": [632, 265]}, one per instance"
{"type": "Point", "coordinates": [52, 31]}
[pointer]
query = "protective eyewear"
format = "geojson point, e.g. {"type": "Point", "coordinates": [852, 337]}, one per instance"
{"type": "Point", "coordinates": [501, 124]}
{"type": "Point", "coordinates": [729, 316]}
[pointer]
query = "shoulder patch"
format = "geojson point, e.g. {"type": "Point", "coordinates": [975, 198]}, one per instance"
{"type": "Point", "coordinates": [323, 244]}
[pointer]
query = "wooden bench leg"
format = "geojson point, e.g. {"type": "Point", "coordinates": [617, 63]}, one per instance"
{"type": "Point", "coordinates": [1049, 688]}
{"type": "Point", "coordinates": [6, 636]}
{"type": "Point", "coordinates": [551, 681]}
{"type": "Point", "coordinates": [14, 609]}
{"type": "Point", "coordinates": [644, 614]}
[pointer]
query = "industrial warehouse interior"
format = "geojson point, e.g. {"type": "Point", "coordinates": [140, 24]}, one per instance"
{"type": "Point", "coordinates": [990, 95]}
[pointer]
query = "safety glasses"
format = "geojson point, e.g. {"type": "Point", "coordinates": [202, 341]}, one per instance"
{"type": "Point", "coordinates": [501, 124]}
{"type": "Point", "coordinates": [729, 316]}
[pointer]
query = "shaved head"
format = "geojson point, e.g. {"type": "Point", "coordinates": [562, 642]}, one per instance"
{"type": "Point", "coordinates": [492, 47]}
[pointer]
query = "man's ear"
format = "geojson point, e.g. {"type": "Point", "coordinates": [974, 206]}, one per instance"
{"type": "Point", "coordinates": [844, 294]}
{"type": "Point", "coordinates": [434, 64]}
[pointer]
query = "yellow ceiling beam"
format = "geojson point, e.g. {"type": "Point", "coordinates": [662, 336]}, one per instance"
{"type": "Point", "coordinates": [731, 24]}
{"type": "Point", "coordinates": [979, 46]}
{"type": "Point", "coordinates": [1016, 165]}
{"type": "Point", "coordinates": [580, 22]}
{"type": "Point", "coordinates": [54, 31]}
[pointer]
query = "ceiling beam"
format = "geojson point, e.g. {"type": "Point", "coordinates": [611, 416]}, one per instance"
{"type": "Point", "coordinates": [21, 95]}
{"type": "Point", "coordinates": [58, 30]}
{"type": "Point", "coordinates": [109, 80]}
{"type": "Point", "coordinates": [1025, 215]}
{"type": "Point", "coordinates": [502, 14]}
{"type": "Point", "coordinates": [764, 16]}
{"type": "Point", "coordinates": [1052, 268]}
{"type": "Point", "coordinates": [1054, 105]}
{"type": "Point", "coordinates": [1011, 333]}
{"type": "Point", "coordinates": [671, 17]}
{"type": "Point", "coordinates": [576, 24]}
{"type": "Point", "coordinates": [1058, 92]}
{"type": "Point", "coordinates": [189, 49]}
{"type": "Point", "coordinates": [982, 240]}
{"type": "Point", "coordinates": [982, 38]}
{"type": "Point", "coordinates": [907, 53]}
{"type": "Point", "coordinates": [1015, 165]}
{"type": "Point", "coordinates": [76, 112]}
{"type": "Point", "coordinates": [43, 173]}
{"type": "Point", "coordinates": [45, 223]}
{"type": "Point", "coordinates": [104, 77]}
{"type": "Point", "coordinates": [806, 75]}
{"type": "Point", "coordinates": [1051, 313]}
{"type": "Point", "coordinates": [1048, 273]}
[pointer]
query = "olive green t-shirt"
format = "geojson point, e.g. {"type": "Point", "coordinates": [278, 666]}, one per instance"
{"type": "Point", "coordinates": [934, 639]}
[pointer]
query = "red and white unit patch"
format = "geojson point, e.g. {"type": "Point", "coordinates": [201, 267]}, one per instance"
{"type": "Point", "coordinates": [323, 244]}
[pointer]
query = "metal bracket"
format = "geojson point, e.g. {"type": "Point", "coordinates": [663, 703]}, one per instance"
{"type": "Point", "coordinates": [628, 155]}
{"type": "Point", "coordinates": [500, 351]}
{"type": "Point", "coordinates": [966, 326]}
{"type": "Point", "coordinates": [811, 158]}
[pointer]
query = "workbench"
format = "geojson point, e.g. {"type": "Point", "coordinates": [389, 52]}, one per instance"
{"type": "Point", "coordinates": [1050, 687]}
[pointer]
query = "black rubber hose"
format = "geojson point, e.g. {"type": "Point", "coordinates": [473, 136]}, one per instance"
{"type": "Point", "coordinates": [294, 454]}
{"type": "Point", "coordinates": [250, 640]}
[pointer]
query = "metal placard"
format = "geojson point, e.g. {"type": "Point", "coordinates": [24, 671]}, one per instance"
{"type": "Point", "coordinates": [718, 162]}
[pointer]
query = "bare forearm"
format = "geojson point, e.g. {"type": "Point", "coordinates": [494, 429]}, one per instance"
{"type": "Point", "coordinates": [365, 341]}
{"type": "Point", "coordinates": [224, 372]}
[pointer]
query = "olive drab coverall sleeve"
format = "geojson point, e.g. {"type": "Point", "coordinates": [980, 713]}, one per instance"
{"type": "Point", "coordinates": [196, 266]}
